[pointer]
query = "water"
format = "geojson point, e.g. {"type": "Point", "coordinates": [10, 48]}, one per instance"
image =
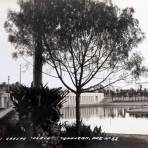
{"type": "Point", "coordinates": [112, 119]}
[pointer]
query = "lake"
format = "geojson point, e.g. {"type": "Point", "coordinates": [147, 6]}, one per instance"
{"type": "Point", "coordinates": [112, 119]}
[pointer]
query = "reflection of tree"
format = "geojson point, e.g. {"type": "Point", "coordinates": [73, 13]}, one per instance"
{"type": "Point", "coordinates": [101, 112]}
{"type": "Point", "coordinates": [138, 115]}
{"type": "Point", "coordinates": [121, 112]}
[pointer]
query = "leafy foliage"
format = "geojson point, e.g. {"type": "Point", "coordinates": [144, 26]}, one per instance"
{"type": "Point", "coordinates": [85, 131]}
{"type": "Point", "coordinates": [27, 26]}
{"type": "Point", "coordinates": [37, 107]}
{"type": "Point", "coordinates": [97, 40]}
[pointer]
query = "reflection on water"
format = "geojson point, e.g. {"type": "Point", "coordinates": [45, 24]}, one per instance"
{"type": "Point", "coordinates": [112, 119]}
{"type": "Point", "coordinates": [101, 112]}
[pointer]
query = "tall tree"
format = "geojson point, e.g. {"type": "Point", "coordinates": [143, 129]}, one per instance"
{"type": "Point", "coordinates": [25, 33]}
{"type": "Point", "coordinates": [25, 28]}
{"type": "Point", "coordinates": [93, 44]}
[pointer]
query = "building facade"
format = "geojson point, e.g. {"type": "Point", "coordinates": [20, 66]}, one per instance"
{"type": "Point", "coordinates": [86, 99]}
{"type": "Point", "coordinates": [4, 100]}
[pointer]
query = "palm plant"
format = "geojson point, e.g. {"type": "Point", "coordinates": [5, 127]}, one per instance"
{"type": "Point", "coordinates": [38, 109]}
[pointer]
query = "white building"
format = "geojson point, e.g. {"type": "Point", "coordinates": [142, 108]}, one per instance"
{"type": "Point", "coordinates": [86, 99]}
{"type": "Point", "coordinates": [4, 100]}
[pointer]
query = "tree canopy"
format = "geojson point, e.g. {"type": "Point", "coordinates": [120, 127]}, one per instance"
{"type": "Point", "coordinates": [93, 44]}
{"type": "Point", "coordinates": [26, 28]}
{"type": "Point", "coordinates": [94, 40]}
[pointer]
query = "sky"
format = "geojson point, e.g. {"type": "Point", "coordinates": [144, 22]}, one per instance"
{"type": "Point", "coordinates": [11, 67]}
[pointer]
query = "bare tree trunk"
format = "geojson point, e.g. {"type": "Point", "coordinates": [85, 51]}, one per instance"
{"type": "Point", "coordinates": [78, 113]}
{"type": "Point", "coordinates": [37, 65]}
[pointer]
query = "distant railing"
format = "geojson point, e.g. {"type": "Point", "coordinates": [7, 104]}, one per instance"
{"type": "Point", "coordinates": [130, 99]}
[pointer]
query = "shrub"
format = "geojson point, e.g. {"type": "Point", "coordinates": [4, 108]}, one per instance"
{"type": "Point", "coordinates": [85, 130]}
{"type": "Point", "coordinates": [38, 109]}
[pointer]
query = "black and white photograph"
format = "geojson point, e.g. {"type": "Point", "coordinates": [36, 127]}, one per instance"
{"type": "Point", "coordinates": [73, 73]}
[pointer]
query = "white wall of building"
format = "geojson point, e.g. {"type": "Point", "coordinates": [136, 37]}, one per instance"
{"type": "Point", "coordinates": [85, 99]}
{"type": "Point", "coordinates": [4, 100]}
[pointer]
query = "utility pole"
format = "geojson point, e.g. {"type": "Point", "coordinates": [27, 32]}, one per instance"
{"type": "Point", "coordinates": [20, 73]}
{"type": "Point", "coordinates": [8, 84]}
{"type": "Point", "coordinates": [8, 92]}
{"type": "Point", "coordinates": [109, 88]}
